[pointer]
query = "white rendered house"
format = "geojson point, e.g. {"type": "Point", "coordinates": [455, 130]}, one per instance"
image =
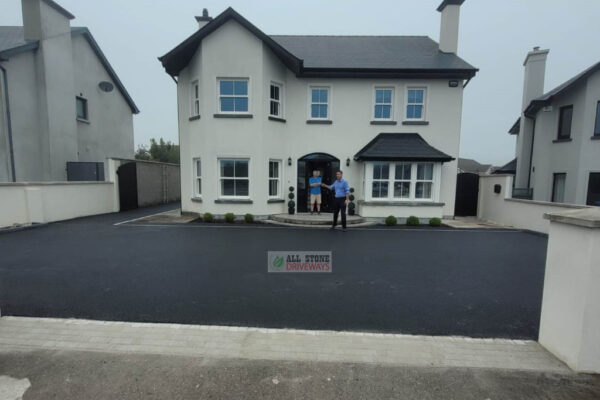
{"type": "Point", "coordinates": [558, 137]}
{"type": "Point", "coordinates": [60, 99]}
{"type": "Point", "coordinates": [258, 113]}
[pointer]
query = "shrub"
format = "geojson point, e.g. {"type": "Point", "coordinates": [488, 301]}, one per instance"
{"type": "Point", "coordinates": [207, 217]}
{"type": "Point", "coordinates": [391, 220]}
{"type": "Point", "coordinates": [230, 218]}
{"type": "Point", "coordinates": [291, 196]}
{"type": "Point", "coordinates": [435, 222]}
{"type": "Point", "coordinates": [249, 218]}
{"type": "Point", "coordinates": [351, 197]}
{"type": "Point", "coordinates": [413, 221]}
{"type": "Point", "coordinates": [351, 206]}
{"type": "Point", "coordinates": [291, 204]}
{"type": "Point", "coordinates": [351, 190]}
{"type": "Point", "coordinates": [291, 188]}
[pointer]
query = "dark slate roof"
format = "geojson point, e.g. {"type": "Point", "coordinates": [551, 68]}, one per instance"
{"type": "Point", "coordinates": [470, 165]}
{"type": "Point", "coordinates": [12, 42]}
{"type": "Point", "coordinates": [509, 168]}
{"type": "Point", "coordinates": [514, 130]}
{"type": "Point", "coordinates": [449, 3]}
{"type": "Point", "coordinates": [400, 147]}
{"type": "Point", "coordinates": [339, 56]}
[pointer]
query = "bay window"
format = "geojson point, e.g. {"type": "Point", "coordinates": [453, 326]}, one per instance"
{"type": "Point", "coordinates": [402, 181]}
{"type": "Point", "coordinates": [381, 174]}
{"type": "Point", "coordinates": [424, 186]}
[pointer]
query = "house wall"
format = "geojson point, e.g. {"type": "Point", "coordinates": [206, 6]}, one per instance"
{"type": "Point", "coordinates": [5, 166]}
{"type": "Point", "coordinates": [261, 139]}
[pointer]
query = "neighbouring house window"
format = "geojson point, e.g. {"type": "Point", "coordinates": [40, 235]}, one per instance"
{"type": "Point", "coordinates": [82, 108]}
{"type": "Point", "coordinates": [558, 187]}
{"type": "Point", "coordinates": [275, 103]}
{"type": "Point", "coordinates": [402, 179]}
{"type": "Point", "coordinates": [564, 122]}
{"type": "Point", "coordinates": [593, 193]}
{"type": "Point", "coordinates": [381, 176]}
{"type": "Point", "coordinates": [233, 95]}
{"type": "Point", "coordinates": [197, 177]}
{"type": "Point", "coordinates": [274, 178]}
{"type": "Point", "coordinates": [383, 103]}
{"type": "Point", "coordinates": [415, 103]}
{"type": "Point", "coordinates": [597, 124]}
{"type": "Point", "coordinates": [424, 186]}
{"type": "Point", "coordinates": [319, 102]}
{"type": "Point", "coordinates": [234, 177]}
{"type": "Point", "coordinates": [195, 98]}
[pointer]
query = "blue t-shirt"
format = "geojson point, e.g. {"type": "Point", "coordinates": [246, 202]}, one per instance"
{"type": "Point", "coordinates": [315, 189]}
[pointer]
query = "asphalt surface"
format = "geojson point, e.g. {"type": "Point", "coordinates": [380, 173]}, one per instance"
{"type": "Point", "coordinates": [69, 375]}
{"type": "Point", "coordinates": [482, 283]}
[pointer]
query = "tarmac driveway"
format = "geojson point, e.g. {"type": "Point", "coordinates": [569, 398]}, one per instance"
{"type": "Point", "coordinates": [478, 283]}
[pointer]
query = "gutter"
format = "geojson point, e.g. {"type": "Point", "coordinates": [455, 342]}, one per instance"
{"type": "Point", "coordinates": [9, 124]}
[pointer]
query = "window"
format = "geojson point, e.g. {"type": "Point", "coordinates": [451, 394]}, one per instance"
{"type": "Point", "coordinates": [383, 103]}
{"type": "Point", "coordinates": [423, 188]}
{"type": "Point", "coordinates": [234, 177]}
{"type": "Point", "coordinates": [558, 187]}
{"type": "Point", "coordinates": [82, 108]}
{"type": "Point", "coordinates": [319, 102]}
{"type": "Point", "coordinates": [197, 177]}
{"type": "Point", "coordinates": [593, 194]}
{"type": "Point", "coordinates": [381, 174]}
{"type": "Point", "coordinates": [274, 178]}
{"type": "Point", "coordinates": [597, 124]}
{"type": "Point", "coordinates": [564, 122]}
{"type": "Point", "coordinates": [415, 103]}
{"type": "Point", "coordinates": [275, 109]}
{"type": "Point", "coordinates": [233, 95]}
{"type": "Point", "coordinates": [195, 99]}
{"type": "Point", "coordinates": [402, 180]}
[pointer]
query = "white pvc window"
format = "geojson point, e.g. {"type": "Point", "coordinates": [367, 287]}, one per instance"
{"type": "Point", "coordinates": [415, 103]}
{"type": "Point", "coordinates": [319, 102]}
{"type": "Point", "coordinates": [402, 181]}
{"type": "Point", "coordinates": [197, 177]}
{"type": "Point", "coordinates": [275, 100]}
{"type": "Point", "coordinates": [424, 182]}
{"type": "Point", "coordinates": [234, 177]}
{"type": "Point", "coordinates": [233, 95]}
{"type": "Point", "coordinates": [383, 108]}
{"type": "Point", "coordinates": [195, 99]}
{"type": "Point", "coordinates": [381, 176]}
{"type": "Point", "coordinates": [274, 178]}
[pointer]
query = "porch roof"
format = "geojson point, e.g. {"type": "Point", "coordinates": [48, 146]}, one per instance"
{"type": "Point", "coordinates": [400, 147]}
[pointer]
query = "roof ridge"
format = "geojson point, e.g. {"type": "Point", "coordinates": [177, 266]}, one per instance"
{"type": "Point", "coordinates": [395, 36]}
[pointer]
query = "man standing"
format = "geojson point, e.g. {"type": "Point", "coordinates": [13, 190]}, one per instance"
{"type": "Point", "coordinates": [342, 198]}
{"type": "Point", "coordinates": [315, 191]}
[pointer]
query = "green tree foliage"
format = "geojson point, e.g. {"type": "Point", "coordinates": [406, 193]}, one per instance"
{"type": "Point", "coordinates": [160, 151]}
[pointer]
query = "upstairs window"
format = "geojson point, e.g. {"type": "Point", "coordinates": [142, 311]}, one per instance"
{"type": "Point", "coordinates": [319, 102]}
{"type": "Point", "coordinates": [597, 124]}
{"type": "Point", "coordinates": [233, 95]}
{"type": "Point", "coordinates": [564, 122]}
{"type": "Point", "coordinates": [275, 103]}
{"type": "Point", "coordinates": [82, 108]}
{"type": "Point", "coordinates": [195, 109]}
{"type": "Point", "coordinates": [415, 104]}
{"type": "Point", "coordinates": [383, 103]}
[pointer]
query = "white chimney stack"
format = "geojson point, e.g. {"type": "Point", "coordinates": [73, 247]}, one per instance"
{"type": "Point", "coordinates": [535, 73]}
{"type": "Point", "coordinates": [44, 19]}
{"type": "Point", "coordinates": [204, 19]}
{"type": "Point", "coordinates": [450, 10]}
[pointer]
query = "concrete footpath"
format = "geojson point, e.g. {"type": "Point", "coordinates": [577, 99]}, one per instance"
{"type": "Point", "coordinates": [76, 359]}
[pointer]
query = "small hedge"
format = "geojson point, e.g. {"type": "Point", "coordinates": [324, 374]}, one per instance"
{"type": "Point", "coordinates": [435, 222]}
{"type": "Point", "coordinates": [249, 218]}
{"type": "Point", "coordinates": [391, 220]}
{"type": "Point", "coordinates": [207, 217]}
{"type": "Point", "coordinates": [230, 218]}
{"type": "Point", "coordinates": [413, 221]}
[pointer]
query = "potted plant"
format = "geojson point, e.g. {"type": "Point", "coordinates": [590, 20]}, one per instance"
{"type": "Point", "coordinates": [291, 204]}
{"type": "Point", "coordinates": [351, 205]}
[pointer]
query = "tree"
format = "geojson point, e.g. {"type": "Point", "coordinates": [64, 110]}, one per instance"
{"type": "Point", "coordinates": [160, 151]}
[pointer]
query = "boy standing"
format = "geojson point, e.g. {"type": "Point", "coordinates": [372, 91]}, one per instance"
{"type": "Point", "coordinates": [315, 191]}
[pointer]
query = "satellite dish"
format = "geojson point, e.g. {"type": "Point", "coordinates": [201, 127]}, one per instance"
{"type": "Point", "coordinates": [106, 86]}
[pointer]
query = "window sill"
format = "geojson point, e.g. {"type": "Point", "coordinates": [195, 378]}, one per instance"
{"type": "Point", "coordinates": [415, 122]}
{"type": "Point", "coordinates": [562, 140]}
{"type": "Point", "coordinates": [233, 201]}
{"type": "Point", "coordinates": [194, 118]}
{"type": "Point", "coordinates": [383, 122]}
{"type": "Point", "coordinates": [319, 121]}
{"type": "Point", "coordinates": [232, 115]}
{"type": "Point", "coordinates": [595, 137]}
{"type": "Point", "coordinates": [276, 119]}
{"type": "Point", "coordinates": [270, 201]}
{"type": "Point", "coordinates": [401, 203]}
{"type": "Point", "coordinates": [85, 121]}
{"type": "Point", "coordinates": [197, 199]}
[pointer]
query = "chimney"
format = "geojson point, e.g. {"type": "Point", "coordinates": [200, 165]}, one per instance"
{"type": "Point", "coordinates": [204, 19]}
{"type": "Point", "coordinates": [535, 72]}
{"type": "Point", "coordinates": [450, 10]}
{"type": "Point", "coordinates": [44, 18]}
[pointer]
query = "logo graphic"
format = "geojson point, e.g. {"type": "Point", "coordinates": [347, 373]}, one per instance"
{"type": "Point", "coordinates": [299, 261]}
{"type": "Point", "coordinates": [278, 262]}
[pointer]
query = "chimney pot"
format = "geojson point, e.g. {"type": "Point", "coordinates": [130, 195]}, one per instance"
{"type": "Point", "coordinates": [204, 19]}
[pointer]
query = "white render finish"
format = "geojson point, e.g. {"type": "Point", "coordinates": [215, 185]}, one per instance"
{"type": "Point", "coordinates": [570, 318]}
{"type": "Point", "coordinates": [449, 28]}
{"type": "Point", "coordinates": [42, 86]}
{"type": "Point", "coordinates": [259, 139]}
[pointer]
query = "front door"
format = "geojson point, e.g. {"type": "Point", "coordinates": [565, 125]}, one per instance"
{"type": "Point", "coordinates": [593, 195]}
{"type": "Point", "coordinates": [327, 166]}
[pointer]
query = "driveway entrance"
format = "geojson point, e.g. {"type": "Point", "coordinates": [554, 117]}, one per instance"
{"type": "Point", "coordinates": [327, 165]}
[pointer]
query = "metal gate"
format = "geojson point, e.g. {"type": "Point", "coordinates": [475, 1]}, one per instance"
{"type": "Point", "coordinates": [128, 190]}
{"type": "Point", "coordinates": [467, 193]}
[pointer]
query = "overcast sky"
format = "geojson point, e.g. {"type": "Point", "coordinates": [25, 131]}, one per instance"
{"type": "Point", "coordinates": [494, 37]}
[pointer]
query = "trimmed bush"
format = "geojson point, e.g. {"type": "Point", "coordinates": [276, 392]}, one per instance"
{"type": "Point", "coordinates": [291, 188]}
{"type": "Point", "coordinates": [230, 218]}
{"type": "Point", "coordinates": [391, 220]}
{"type": "Point", "coordinates": [351, 197]}
{"type": "Point", "coordinates": [249, 218]}
{"type": "Point", "coordinates": [435, 222]}
{"type": "Point", "coordinates": [291, 204]}
{"type": "Point", "coordinates": [413, 221]}
{"type": "Point", "coordinates": [351, 190]}
{"type": "Point", "coordinates": [207, 217]}
{"type": "Point", "coordinates": [351, 206]}
{"type": "Point", "coordinates": [291, 196]}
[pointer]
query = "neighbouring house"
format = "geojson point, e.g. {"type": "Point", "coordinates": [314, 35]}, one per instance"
{"type": "Point", "coordinates": [468, 165]}
{"type": "Point", "coordinates": [60, 100]}
{"type": "Point", "coordinates": [258, 113]}
{"type": "Point", "coordinates": [558, 137]}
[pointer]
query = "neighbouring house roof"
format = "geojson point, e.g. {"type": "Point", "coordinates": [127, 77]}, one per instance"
{"type": "Point", "coordinates": [338, 56]}
{"type": "Point", "coordinates": [514, 130]}
{"type": "Point", "coordinates": [12, 42]}
{"type": "Point", "coordinates": [508, 168]}
{"type": "Point", "coordinates": [400, 147]}
{"type": "Point", "coordinates": [58, 8]}
{"type": "Point", "coordinates": [469, 165]}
